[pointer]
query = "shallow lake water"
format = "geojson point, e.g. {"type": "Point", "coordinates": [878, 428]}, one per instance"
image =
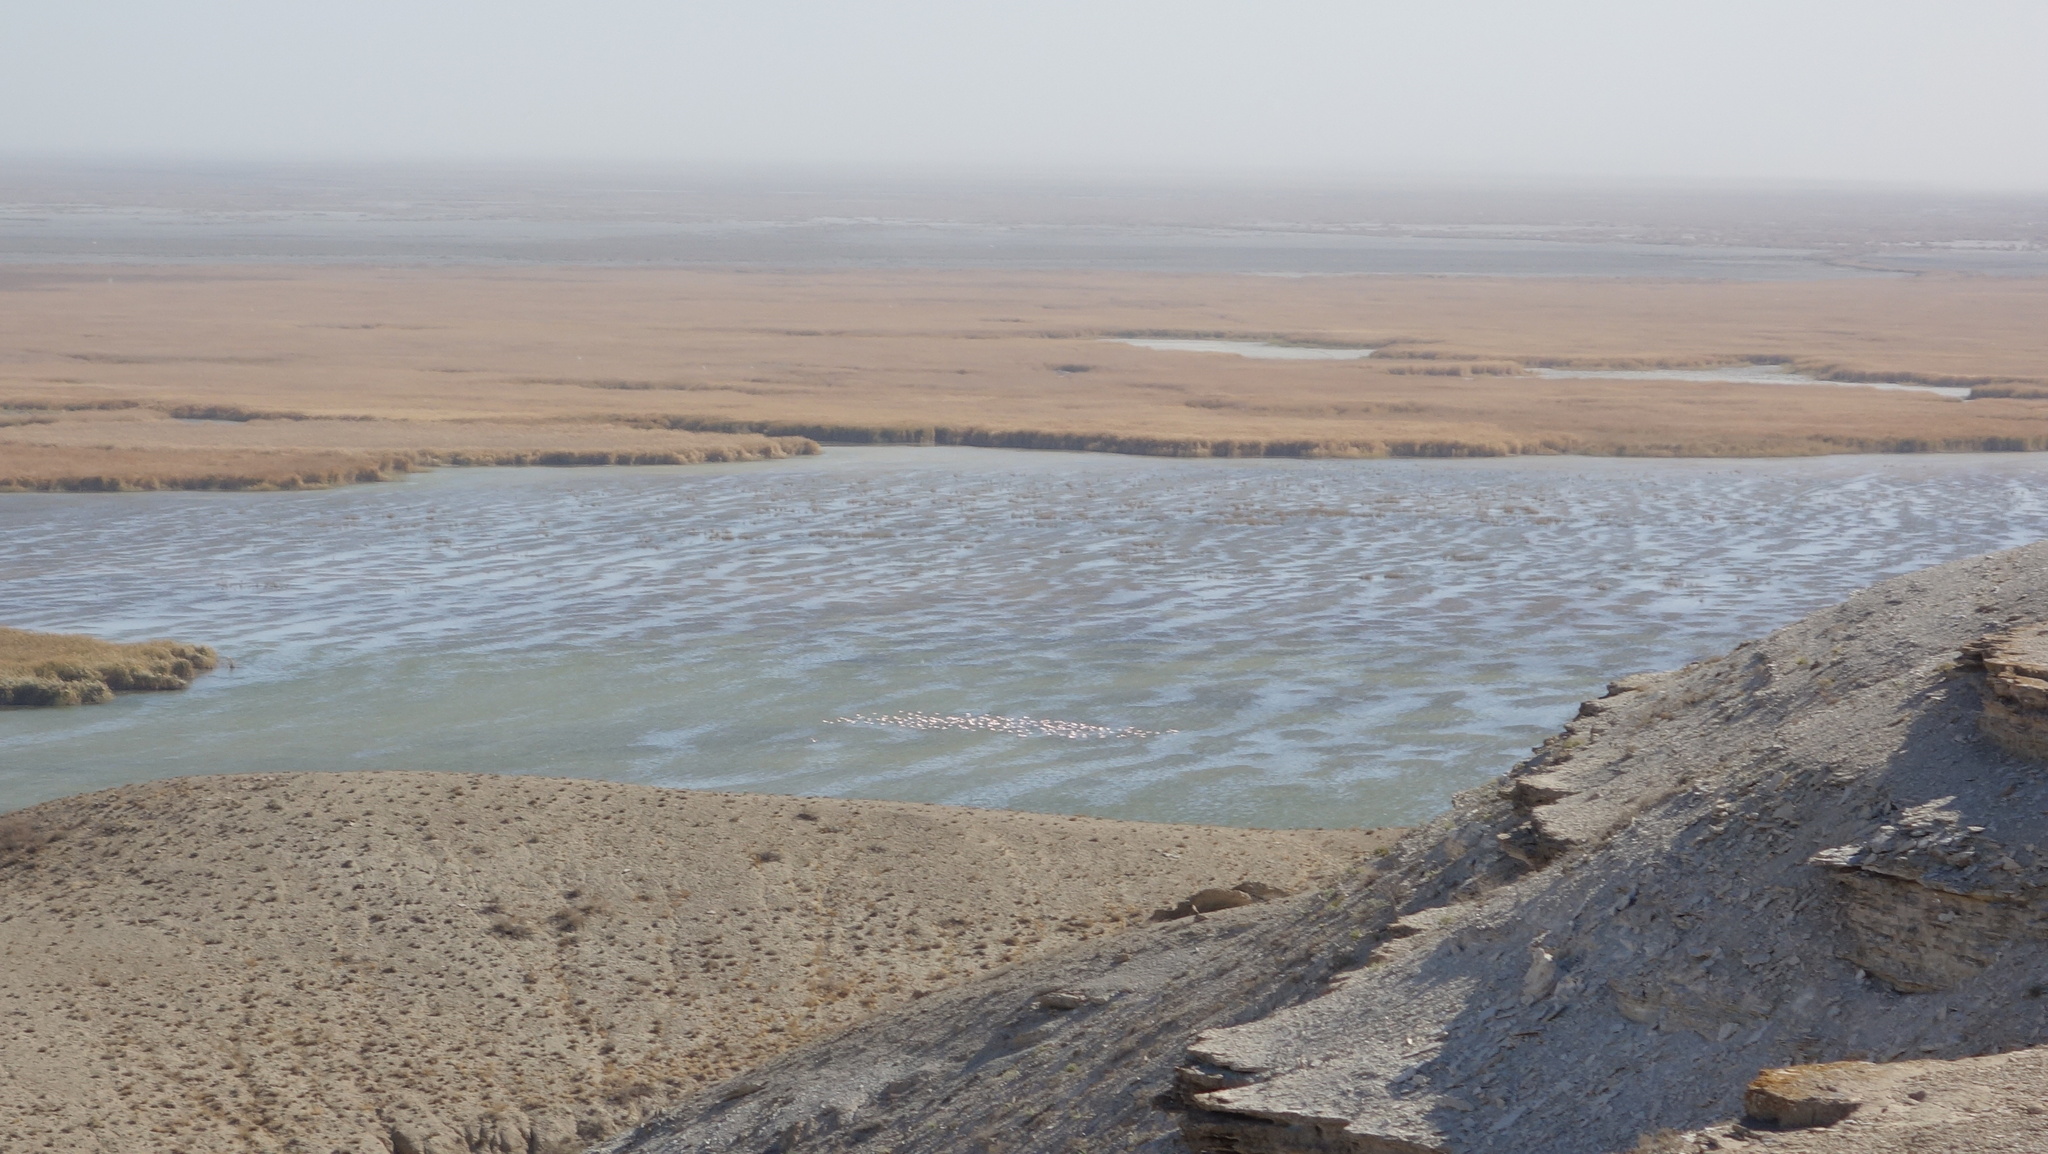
{"type": "Point", "coordinates": [1765, 374]}
{"type": "Point", "coordinates": [1261, 642]}
{"type": "Point", "coordinates": [1744, 374]}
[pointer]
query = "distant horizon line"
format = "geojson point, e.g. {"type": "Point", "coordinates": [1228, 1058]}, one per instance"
{"type": "Point", "coordinates": [963, 177]}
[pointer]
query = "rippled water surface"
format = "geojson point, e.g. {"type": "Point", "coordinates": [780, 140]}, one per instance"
{"type": "Point", "coordinates": [1246, 642]}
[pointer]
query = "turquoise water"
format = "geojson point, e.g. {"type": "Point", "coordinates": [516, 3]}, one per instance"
{"type": "Point", "coordinates": [1267, 643]}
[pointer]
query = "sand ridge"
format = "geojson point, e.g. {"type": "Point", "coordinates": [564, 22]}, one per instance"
{"type": "Point", "coordinates": [358, 961]}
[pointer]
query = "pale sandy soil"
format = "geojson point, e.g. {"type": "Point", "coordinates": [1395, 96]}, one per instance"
{"type": "Point", "coordinates": [351, 961]}
{"type": "Point", "coordinates": [341, 373]}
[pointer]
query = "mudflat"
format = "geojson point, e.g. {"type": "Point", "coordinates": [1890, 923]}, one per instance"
{"type": "Point", "coordinates": [369, 961]}
{"type": "Point", "coordinates": [249, 376]}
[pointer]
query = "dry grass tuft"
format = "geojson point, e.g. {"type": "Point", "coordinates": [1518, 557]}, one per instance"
{"type": "Point", "coordinates": [21, 835]}
{"type": "Point", "coordinates": [2034, 392]}
{"type": "Point", "coordinates": [73, 669]}
{"type": "Point", "coordinates": [508, 926]}
{"type": "Point", "coordinates": [141, 467]}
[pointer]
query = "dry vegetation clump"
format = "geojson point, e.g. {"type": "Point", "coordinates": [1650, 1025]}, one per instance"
{"type": "Point", "coordinates": [464, 962]}
{"type": "Point", "coordinates": [232, 413]}
{"type": "Point", "coordinates": [73, 669]}
{"type": "Point", "coordinates": [22, 835]}
{"type": "Point", "coordinates": [2029, 392]}
{"type": "Point", "coordinates": [1457, 369]}
{"type": "Point", "coordinates": [115, 469]}
{"type": "Point", "coordinates": [80, 459]}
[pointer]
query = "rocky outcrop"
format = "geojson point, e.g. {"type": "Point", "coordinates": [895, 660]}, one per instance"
{"type": "Point", "coordinates": [1209, 901]}
{"type": "Point", "coordinates": [1930, 903]}
{"type": "Point", "coordinates": [1996, 1104]}
{"type": "Point", "coordinates": [2015, 668]}
{"type": "Point", "coordinates": [1804, 851]}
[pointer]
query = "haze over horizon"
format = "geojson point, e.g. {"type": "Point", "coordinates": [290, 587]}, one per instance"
{"type": "Point", "coordinates": [1898, 92]}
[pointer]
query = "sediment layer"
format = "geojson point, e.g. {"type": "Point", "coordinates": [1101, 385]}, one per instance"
{"type": "Point", "coordinates": [2016, 677]}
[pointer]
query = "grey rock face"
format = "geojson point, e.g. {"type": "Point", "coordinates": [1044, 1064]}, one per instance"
{"type": "Point", "coordinates": [2016, 674]}
{"type": "Point", "coordinates": [1803, 851]}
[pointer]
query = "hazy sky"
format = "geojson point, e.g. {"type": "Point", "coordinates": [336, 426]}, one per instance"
{"type": "Point", "coordinates": [1954, 92]}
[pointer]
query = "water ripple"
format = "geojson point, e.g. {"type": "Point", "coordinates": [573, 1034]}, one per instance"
{"type": "Point", "coordinates": [1014, 726]}
{"type": "Point", "coordinates": [1304, 643]}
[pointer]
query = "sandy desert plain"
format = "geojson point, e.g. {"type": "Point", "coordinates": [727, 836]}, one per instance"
{"type": "Point", "coordinates": [136, 377]}
{"type": "Point", "coordinates": [425, 964]}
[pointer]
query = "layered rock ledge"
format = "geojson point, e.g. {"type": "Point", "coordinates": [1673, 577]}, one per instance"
{"type": "Point", "coordinates": [2016, 677]}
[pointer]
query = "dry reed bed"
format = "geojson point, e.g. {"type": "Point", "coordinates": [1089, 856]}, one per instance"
{"type": "Point", "coordinates": [131, 454]}
{"type": "Point", "coordinates": [73, 669]}
{"type": "Point", "coordinates": [388, 367]}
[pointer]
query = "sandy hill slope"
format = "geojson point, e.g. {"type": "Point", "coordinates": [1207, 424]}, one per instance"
{"type": "Point", "coordinates": [1803, 851]}
{"type": "Point", "coordinates": [435, 963]}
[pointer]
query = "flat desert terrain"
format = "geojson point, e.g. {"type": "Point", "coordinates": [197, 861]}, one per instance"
{"type": "Point", "coordinates": [250, 376]}
{"type": "Point", "coordinates": [366, 961]}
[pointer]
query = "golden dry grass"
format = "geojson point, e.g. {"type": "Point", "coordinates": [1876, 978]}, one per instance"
{"type": "Point", "coordinates": [73, 669]}
{"type": "Point", "coordinates": [313, 376]}
{"type": "Point", "coordinates": [360, 962]}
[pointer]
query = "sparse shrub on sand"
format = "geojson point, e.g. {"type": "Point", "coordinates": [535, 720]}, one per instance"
{"type": "Point", "coordinates": [509, 926]}
{"type": "Point", "coordinates": [21, 835]}
{"type": "Point", "coordinates": [72, 669]}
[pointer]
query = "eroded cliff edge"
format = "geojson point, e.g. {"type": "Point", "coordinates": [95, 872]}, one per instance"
{"type": "Point", "coordinates": [1804, 851]}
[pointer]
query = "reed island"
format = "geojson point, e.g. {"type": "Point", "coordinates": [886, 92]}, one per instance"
{"type": "Point", "coordinates": [42, 669]}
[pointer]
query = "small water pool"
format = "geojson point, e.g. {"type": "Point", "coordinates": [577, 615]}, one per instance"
{"type": "Point", "coordinates": [1258, 350]}
{"type": "Point", "coordinates": [1742, 374]}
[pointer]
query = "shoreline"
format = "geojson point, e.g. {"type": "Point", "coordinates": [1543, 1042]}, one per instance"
{"type": "Point", "coordinates": [812, 441]}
